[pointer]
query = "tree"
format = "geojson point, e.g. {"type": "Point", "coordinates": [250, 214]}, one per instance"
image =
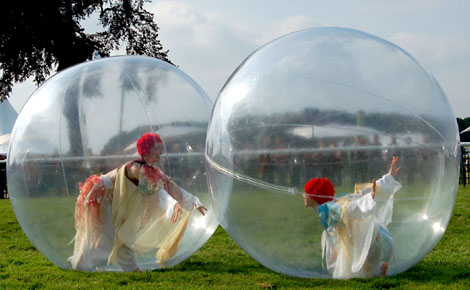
{"type": "Point", "coordinates": [464, 124]}
{"type": "Point", "coordinates": [38, 37]}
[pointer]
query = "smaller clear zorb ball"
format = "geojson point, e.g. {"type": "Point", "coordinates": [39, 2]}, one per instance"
{"type": "Point", "coordinates": [335, 103]}
{"type": "Point", "coordinates": [86, 120]}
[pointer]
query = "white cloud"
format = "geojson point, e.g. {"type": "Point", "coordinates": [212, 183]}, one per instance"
{"type": "Point", "coordinates": [446, 57]}
{"type": "Point", "coordinates": [454, 81]}
{"type": "Point", "coordinates": [287, 25]}
{"type": "Point", "coordinates": [432, 48]}
{"type": "Point", "coordinates": [407, 6]}
{"type": "Point", "coordinates": [209, 45]}
{"type": "Point", "coordinates": [21, 93]}
{"type": "Point", "coordinates": [181, 24]}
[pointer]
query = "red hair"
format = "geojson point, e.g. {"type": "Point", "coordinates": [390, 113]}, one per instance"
{"type": "Point", "coordinates": [147, 142]}
{"type": "Point", "coordinates": [320, 189]}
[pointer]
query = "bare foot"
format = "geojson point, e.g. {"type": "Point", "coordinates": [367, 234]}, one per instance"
{"type": "Point", "coordinates": [383, 269]}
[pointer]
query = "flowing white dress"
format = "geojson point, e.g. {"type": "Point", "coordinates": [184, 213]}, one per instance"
{"type": "Point", "coordinates": [356, 241]}
{"type": "Point", "coordinates": [125, 219]}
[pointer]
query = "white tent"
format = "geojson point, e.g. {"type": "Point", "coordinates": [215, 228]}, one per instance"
{"type": "Point", "coordinates": [7, 120]}
{"type": "Point", "coordinates": [332, 130]}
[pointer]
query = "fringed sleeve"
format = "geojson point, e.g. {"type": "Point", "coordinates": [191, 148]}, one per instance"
{"type": "Point", "coordinates": [88, 215]}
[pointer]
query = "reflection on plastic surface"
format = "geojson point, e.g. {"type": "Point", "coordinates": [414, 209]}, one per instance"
{"type": "Point", "coordinates": [86, 120]}
{"type": "Point", "coordinates": [335, 103]}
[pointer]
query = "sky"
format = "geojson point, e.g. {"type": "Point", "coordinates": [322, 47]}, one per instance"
{"type": "Point", "coordinates": [208, 39]}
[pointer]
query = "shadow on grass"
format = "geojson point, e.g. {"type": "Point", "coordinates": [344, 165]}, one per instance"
{"type": "Point", "coordinates": [423, 273]}
{"type": "Point", "coordinates": [219, 267]}
{"type": "Point", "coordinates": [443, 272]}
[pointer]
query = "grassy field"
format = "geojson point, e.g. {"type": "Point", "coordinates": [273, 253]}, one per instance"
{"type": "Point", "coordinates": [220, 263]}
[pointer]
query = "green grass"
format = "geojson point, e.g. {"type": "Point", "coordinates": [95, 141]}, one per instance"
{"type": "Point", "coordinates": [220, 263]}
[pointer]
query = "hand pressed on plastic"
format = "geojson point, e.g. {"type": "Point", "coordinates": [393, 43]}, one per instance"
{"type": "Point", "coordinates": [177, 212]}
{"type": "Point", "coordinates": [202, 210]}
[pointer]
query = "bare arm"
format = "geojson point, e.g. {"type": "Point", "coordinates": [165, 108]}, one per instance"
{"type": "Point", "coordinates": [174, 193]}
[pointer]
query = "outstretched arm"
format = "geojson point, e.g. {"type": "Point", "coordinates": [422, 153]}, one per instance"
{"type": "Point", "coordinates": [188, 200]}
{"type": "Point", "coordinates": [104, 186]}
{"type": "Point", "coordinates": [166, 201]}
{"type": "Point", "coordinates": [388, 183]}
{"type": "Point", "coordinates": [384, 190]}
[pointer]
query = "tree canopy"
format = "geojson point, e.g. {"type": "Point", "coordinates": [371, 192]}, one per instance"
{"type": "Point", "coordinates": [464, 124]}
{"type": "Point", "coordinates": [39, 37]}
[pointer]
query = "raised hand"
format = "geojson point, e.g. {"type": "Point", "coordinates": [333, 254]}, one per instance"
{"type": "Point", "coordinates": [374, 186]}
{"type": "Point", "coordinates": [393, 167]}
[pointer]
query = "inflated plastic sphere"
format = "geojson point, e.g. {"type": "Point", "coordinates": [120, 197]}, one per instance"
{"type": "Point", "coordinates": [335, 103]}
{"type": "Point", "coordinates": [86, 120]}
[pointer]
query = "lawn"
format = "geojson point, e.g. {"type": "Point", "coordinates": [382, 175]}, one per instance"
{"type": "Point", "coordinates": [220, 263]}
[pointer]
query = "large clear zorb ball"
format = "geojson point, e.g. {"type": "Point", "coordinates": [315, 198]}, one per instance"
{"type": "Point", "coordinates": [86, 120]}
{"type": "Point", "coordinates": [335, 103]}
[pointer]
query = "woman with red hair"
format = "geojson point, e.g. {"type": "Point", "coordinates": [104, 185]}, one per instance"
{"type": "Point", "coordinates": [132, 209]}
{"type": "Point", "coordinates": [356, 241]}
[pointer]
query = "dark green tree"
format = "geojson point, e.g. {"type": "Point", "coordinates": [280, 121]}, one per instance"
{"type": "Point", "coordinates": [464, 124]}
{"type": "Point", "coordinates": [39, 37]}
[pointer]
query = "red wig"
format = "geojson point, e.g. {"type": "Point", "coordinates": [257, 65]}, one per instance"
{"type": "Point", "coordinates": [320, 189]}
{"type": "Point", "coordinates": [147, 142]}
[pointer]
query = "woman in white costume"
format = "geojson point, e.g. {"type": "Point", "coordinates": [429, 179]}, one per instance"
{"type": "Point", "coordinates": [356, 241]}
{"type": "Point", "coordinates": [132, 209]}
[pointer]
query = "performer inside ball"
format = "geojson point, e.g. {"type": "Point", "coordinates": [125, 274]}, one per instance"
{"type": "Point", "coordinates": [132, 209]}
{"type": "Point", "coordinates": [355, 240]}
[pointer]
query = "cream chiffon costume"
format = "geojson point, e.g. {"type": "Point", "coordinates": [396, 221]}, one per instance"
{"type": "Point", "coordinates": [124, 219]}
{"type": "Point", "coordinates": [356, 241]}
